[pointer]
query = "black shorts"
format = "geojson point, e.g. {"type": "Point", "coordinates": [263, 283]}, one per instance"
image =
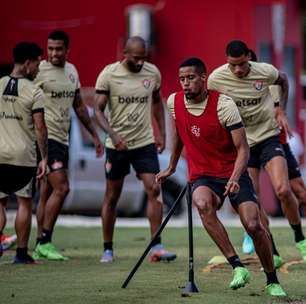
{"type": "Point", "coordinates": [263, 152]}
{"type": "Point", "coordinates": [14, 178]}
{"type": "Point", "coordinates": [217, 185]}
{"type": "Point", "coordinates": [143, 160]}
{"type": "Point", "coordinates": [58, 155]}
{"type": "Point", "coordinates": [293, 166]}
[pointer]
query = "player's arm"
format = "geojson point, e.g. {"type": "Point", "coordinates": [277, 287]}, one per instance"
{"type": "Point", "coordinates": [83, 115]}
{"type": "Point", "coordinates": [177, 148]}
{"type": "Point", "coordinates": [41, 133]}
{"type": "Point", "coordinates": [158, 114]}
{"type": "Point", "coordinates": [281, 105]}
{"type": "Point", "coordinates": [243, 154]}
{"type": "Point", "coordinates": [101, 100]}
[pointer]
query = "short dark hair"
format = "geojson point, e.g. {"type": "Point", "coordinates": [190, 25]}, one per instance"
{"type": "Point", "coordinates": [236, 48]}
{"type": "Point", "coordinates": [26, 51]}
{"type": "Point", "coordinates": [253, 56]}
{"type": "Point", "coordinates": [195, 62]}
{"type": "Point", "coordinates": [60, 35]}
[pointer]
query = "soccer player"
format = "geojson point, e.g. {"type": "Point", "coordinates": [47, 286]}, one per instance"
{"type": "Point", "coordinates": [248, 84]}
{"type": "Point", "coordinates": [209, 126]}
{"type": "Point", "coordinates": [21, 124]}
{"type": "Point", "coordinates": [130, 89]}
{"type": "Point", "coordinates": [60, 82]}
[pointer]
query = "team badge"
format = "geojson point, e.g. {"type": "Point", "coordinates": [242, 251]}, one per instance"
{"type": "Point", "coordinates": [108, 166]}
{"type": "Point", "coordinates": [258, 85]}
{"type": "Point", "coordinates": [196, 131]}
{"type": "Point", "coordinates": [57, 165]}
{"type": "Point", "coordinates": [146, 83]}
{"type": "Point", "coordinates": [72, 78]}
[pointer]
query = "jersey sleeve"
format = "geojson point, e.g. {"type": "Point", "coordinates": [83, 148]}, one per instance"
{"type": "Point", "coordinates": [38, 100]}
{"type": "Point", "coordinates": [228, 113]}
{"type": "Point", "coordinates": [212, 82]}
{"type": "Point", "coordinates": [157, 80]}
{"type": "Point", "coordinates": [270, 72]}
{"type": "Point", "coordinates": [103, 82]}
{"type": "Point", "coordinates": [170, 105]}
{"type": "Point", "coordinates": [275, 91]}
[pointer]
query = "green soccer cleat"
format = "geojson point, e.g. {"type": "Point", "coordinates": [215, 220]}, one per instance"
{"type": "Point", "coordinates": [301, 246]}
{"type": "Point", "coordinates": [275, 290]}
{"type": "Point", "coordinates": [241, 278]}
{"type": "Point", "coordinates": [49, 252]}
{"type": "Point", "coordinates": [277, 261]}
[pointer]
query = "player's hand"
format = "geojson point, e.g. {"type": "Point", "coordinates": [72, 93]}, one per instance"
{"type": "Point", "coordinates": [160, 143]}
{"type": "Point", "coordinates": [282, 121]}
{"type": "Point", "coordinates": [42, 169]}
{"type": "Point", "coordinates": [119, 143]}
{"type": "Point", "coordinates": [162, 176]}
{"type": "Point", "coordinates": [232, 186]}
{"type": "Point", "coordinates": [99, 147]}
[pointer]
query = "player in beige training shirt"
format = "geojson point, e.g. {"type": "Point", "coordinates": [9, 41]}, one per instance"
{"type": "Point", "coordinates": [60, 82]}
{"type": "Point", "coordinates": [248, 84]}
{"type": "Point", "coordinates": [21, 124]}
{"type": "Point", "coordinates": [130, 89]}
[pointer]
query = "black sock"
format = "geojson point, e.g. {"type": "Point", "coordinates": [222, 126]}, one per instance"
{"type": "Point", "coordinates": [38, 240]}
{"type": "Point", "coordinates": [274, 250]}
{"type": "Point", "coordinates": [235, 261]}
{"type": "Point", "coordinates": [22, 252]}
{"type": "Point", "coordinates": [157, 241]}
{"type": "Point", "coordinates": [1, 233]}
{"type": "Point", "coordinates": [271, 277]}
{"type": "Point", "coordinates": [46, 236]}
{"type": "Point", "coordinates": [298, 233]}
{"type": "Point", "coordinates": [108, 245]}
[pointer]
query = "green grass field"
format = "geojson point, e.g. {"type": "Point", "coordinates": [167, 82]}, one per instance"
{"type": "Point", "coordinates": [83, 279]}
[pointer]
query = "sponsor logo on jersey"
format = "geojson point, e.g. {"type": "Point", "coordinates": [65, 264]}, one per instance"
{"type": "Point", "coordinates": [258, 85]}
{"type": "Point", "coordinates": [62, 94]}
{"type": "Point", "coordinates": [248, 102]}
{"type": "Point", "coordinates": [133, 99]}
{"type": "Point", "coordinates": [196, 131]}
{"type": "Point", "coordinates": [146, 83]}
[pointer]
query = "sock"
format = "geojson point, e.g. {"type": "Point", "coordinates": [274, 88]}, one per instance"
{"type": "Point", "coordinates": [271, 277]}
{"type": "Point", "coordinates": [157, 241]}
{"type": "Point", "coordinates": [108, 246]}
{"type": "Point", "coordinates": [21, 252]}
{"type": "Point", "coordinates": [298, 233]}
{"type": "Point", "coordinates": [274, 250]}
{"type": "Point", "coordinates": [235, 261]}
{"type": "Point", "coordinates": [46, 236]}
{"type": "Point", "coordinates": [38, 240]}
{"type": "Point", "coordinates": [1, 233]}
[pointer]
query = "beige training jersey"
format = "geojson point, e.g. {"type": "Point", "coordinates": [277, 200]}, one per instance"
{"type": "Point", "coordinates": [59, 85]}
{"type": "Point", "coordinates": [130, 99]}
{"type": "Point", "coordinates": [252, 96]}
{"type": "Point", "coordinates": [19, 99]}
{"type": "Point", "coordinates": [227, 111]}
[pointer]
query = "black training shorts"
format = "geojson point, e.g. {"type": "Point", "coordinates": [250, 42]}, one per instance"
{"type": "Point", "coordinates": [143, 160]}
{"type": "Point", "coordinates": [14, 178]}
{"type": "Point", "coordinates": [263, 152]}
{"type": "Point", "coordinates": [217, 185]}
{"type": "Point", "coordinates": [293, 166]}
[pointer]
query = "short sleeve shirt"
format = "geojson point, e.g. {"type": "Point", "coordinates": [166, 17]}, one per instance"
{"type": "Point", "coordinates": [19, 100]}
{"type": "Point", "coordinates": [129, 103]}
{"type": "Point", "coordinates": [59, 85]}
{"type": "Point", "coordinates": [227, 111]}
{"type": "Point", "coordinates": [252, 97]}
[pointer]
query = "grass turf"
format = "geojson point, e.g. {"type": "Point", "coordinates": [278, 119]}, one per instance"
{"type": "Point", "coordinates": [83, 279]}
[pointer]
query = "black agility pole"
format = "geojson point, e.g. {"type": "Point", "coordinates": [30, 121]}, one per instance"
{"type": "Point", "coordinates": [157, 234]}
{"type": "Point", "coordinates": [191, 286]}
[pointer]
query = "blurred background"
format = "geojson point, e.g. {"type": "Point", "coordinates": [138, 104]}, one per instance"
{"type": "Point", "coordinates": [173, 30]}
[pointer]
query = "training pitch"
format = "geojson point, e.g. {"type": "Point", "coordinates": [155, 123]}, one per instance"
{"type": "Point", "coordinates": [83, 279]}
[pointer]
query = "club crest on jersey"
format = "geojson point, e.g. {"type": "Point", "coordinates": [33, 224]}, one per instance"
{"type": "Point", "coordinates": [72, 78]}
{"type": "Point", "coordinates": [258, 85]}
{"type": "Point", "coordinates": [146, 83]}
{"type": "Point", "coordinates": [196, 131]}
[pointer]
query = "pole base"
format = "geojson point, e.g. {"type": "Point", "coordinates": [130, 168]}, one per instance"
{"type": "Point", "coordinates": [190, 287]}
